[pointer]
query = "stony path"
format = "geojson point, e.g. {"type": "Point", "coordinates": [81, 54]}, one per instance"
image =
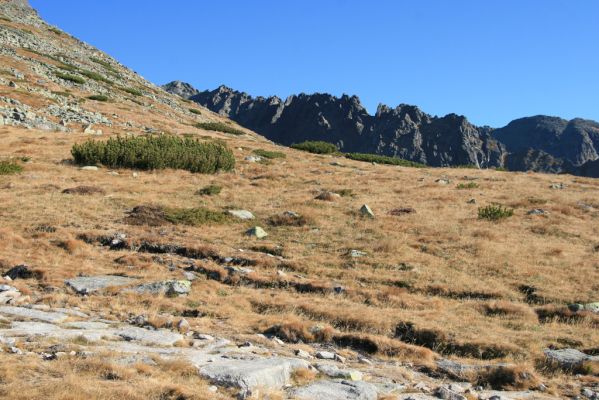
{"type": "Point", "coordinates": [247, 367]}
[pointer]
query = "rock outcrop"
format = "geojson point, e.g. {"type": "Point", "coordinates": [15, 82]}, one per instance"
{"type": "Point", "coordinates": [539, 143]}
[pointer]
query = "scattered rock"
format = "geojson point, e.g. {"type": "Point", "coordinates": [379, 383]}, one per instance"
{"type": "Point", "coordinates": [328, 196]}
{"type": "Point", "coordinates": [325, 355]}
{"type": "Point", "coordinates": [248, 375]}
{"type": "Point", "coordinates": [443, 181]}
{"type": "Point", "coordinates": [537, 211]}
{"type": "Point", "coordinates": [333, 371]}
{"type": "Point", "coordinates": [356, 253]}
{"type": "Point", "coordinates": [161, 337]}
{"type": "Point", "coordinates": [253, 159]}
{"type": "Point", "coordinates": [90, 284]}
{"type": "Point", "coordinates": [89, 168]}
{"type": "Point", "coordinates": [256, 232]}
{"type": "Point", "coordinates": [471, 201]}
{"type": "Point", "coordinates": [592, 307]}
{"type": "Point", "coordinates": [23, 312]}
{"type": "Point", "coordinates": [365, 211]}
{"type": "Point", "coordinates": [23, 272]}
{"type": "Point", "coordinates": [569, 359]}
{"type": "Point", "coordinates": [335, 390]}
{"type": "Point", "coordinates": [557, 186]}
{"type": "Point", "coordinates": [443, 392]}
{"type": "Point", "coordinates": [170, 288]}
{"type": "Point", "coordinates": [241, 214]}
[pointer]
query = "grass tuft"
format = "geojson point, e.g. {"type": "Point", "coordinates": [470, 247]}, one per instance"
{"type": "Point", "coordinates": [494, 212]}
{"type": "Point", "coordinates": [9, 168]}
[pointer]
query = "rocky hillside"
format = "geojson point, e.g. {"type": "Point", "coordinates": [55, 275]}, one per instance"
{"type": "Point", "coordinates": [125, 273]}
{"type": "Point", "coordinates": [543, 144]}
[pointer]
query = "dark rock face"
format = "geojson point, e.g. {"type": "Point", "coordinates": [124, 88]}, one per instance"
{"type": "Point", "coordinates": [180, 89]}
{"type": "Point", "coordinates": [539, 143]}
{"type": "Point", "coordinates": [575, 141]}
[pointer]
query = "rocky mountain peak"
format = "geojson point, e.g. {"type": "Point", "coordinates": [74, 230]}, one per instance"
{"type": "Point", "coordinates": [181, 89]}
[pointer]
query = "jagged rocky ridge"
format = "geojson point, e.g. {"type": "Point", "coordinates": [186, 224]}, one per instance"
{"type": "Point", "coordinates": [539, 143]}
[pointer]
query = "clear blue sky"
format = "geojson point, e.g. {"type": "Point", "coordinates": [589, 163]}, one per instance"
{"type": "Point", "coordinates": [491, 60]}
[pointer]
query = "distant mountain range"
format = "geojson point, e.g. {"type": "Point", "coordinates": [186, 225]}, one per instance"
{"type": "Point", "coordinates": [539, 143]}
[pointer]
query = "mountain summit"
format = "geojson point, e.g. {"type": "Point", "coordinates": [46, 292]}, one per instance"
{"type": "Point", "coordinates": [539, 143]}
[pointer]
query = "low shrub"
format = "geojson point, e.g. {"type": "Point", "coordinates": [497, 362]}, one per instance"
{"type": "Point", "coordinates": [287, 219]}
{"type": "Point", "coordinates": [55, 31]}
{"type": "Point", "coordinates": [132, 91]}
{"type": "Point", "coordinates": [375, 158]}
{"type": "Point", "coordinates": [103, 63]}
{"type": "Point", "coordinates": [316, 147]}
{"type": "Point", "coordinates": [95, 76]}
{"type": "Point", "coordinates": [469, 185]}
{"type": "Point", "coordinates": [98, 97]}
{"type": "Point", "coordinates": [210, 190]}
{"type": "Point", "coordinates": [269, 154]}
{"type": "Point", "coordinates": [194, 111]}
{"type": "Point", "coordinates": [494, 212]}
{"type": "Point", "coordinates": [156, 152]}
{"type": "Point", "coordinates": [9, 168]}
{"type": "Point", "coordinates": [70, 78]}
{"type": "Point", "coordinates": [219, 127]}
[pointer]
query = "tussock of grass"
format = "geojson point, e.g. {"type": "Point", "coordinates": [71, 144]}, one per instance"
{"type": "Point", "coordinates": [469, 185]}
{"type": "Point", "coordinates": [156, 152]}
{"type": "Point", "coordinates": [316, 147]}
{"type": "Point", "coordinates": [132, 91]}
{"type": "Point", "coordinates": [95, 76]}
{"type": "Point", "coordinates": [494, 212]}
{"type": "Point", "coordinates": [194, 111]}
{"type": "Point", "coordinates": [269, 154]}
{"type": "Point", "coordinates": [383, 160]}
{"type": "Point", "coordinates": [70, 78]}
{"type": "Point", "coordinates": [219, 127]}
{"type": "Point", "coordinates": [9, 168]}
{"type": "Point", "coordinates": [98, 97]}
{"type": "Point", "coordinates": [210, 190]}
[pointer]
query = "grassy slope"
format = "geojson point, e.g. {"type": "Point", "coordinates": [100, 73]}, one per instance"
{"type": "Point", "coordinates": [463, 277]}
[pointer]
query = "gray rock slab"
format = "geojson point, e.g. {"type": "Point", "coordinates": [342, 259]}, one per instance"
{"type": "Point", "coordinates": [241, 214]}
{"type": "Point", "coordinates": [29, 313]}
{"type": "Point", "coordinates": [32, 329]}
{"type": "Point", "coordinates": [249, 375]}
{"type": "Point", "coordinates": [335, 390]}
{"type": "Point", "coordinates": [169, 288]}
{"type": "Point", "coordinates": [159, 337]}
{"type": "Point", "coordinates": [86, 325]}
{"type": "Point", "coordinates": [568, 358]}
{"type": "Point", "coordinates": [514, 395]}
{"type": "Point", "coordinates": [90, 284]}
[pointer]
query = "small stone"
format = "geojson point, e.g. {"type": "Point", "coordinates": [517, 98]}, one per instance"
{"type": "Point", "coordinates": [253, 159]}
{"type": "Point", "coordinates": [89, 168]}
{"type": "Point", "coordinates": [241, 214]}
{"type": "Point", "coordinates": [212, 389]}
{"type": "Point", "coordinates": [366, 211]}
{"type": "Point", "coordinates": [471, 201]}
{"type": "Point", "coordinates": [357, 253]}
{"type": "Point", "coordinates": [325, 355]}
{"type": "Point", "coordinates": [557, 186]}
{"type": "Point", "coordinates": [444, 393]}
{"type": "Point", "coordinates": [339, 358]}
{"type": "Point", "coordinates": [328, 196]}
{"type": "Point", "coordinates": [256, 232]}
{"type": "Point", "coordinates": [278, 341]}
{"type": "Point", "coordinates": [443, 181]}
{"type": "Point", "coordinates": [363, 360]}
{"type": "Point", "coordinates": [302, 353]}
{"type": "Point", "coordinates": [537, 211]}
{"type": "Point", "coordinates": [202, 336]}
{"type": "Point", "coordinates": [183, 325]}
